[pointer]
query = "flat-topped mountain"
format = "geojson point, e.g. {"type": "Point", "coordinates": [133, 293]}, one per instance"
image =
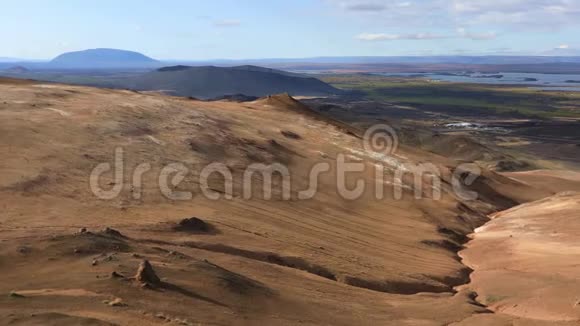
{"type": "Point", "coordinates": [103, 58]}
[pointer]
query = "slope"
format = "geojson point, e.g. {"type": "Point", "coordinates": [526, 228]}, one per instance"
{"type": "Point", "coordinates": [322, 260]}
{"type": "Point", "coordinates": [535, 279]}
{"type": "Point", "coordinates": [210, 82]}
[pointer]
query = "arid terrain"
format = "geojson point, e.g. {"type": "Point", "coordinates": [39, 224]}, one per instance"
{"type": "Point", "coordinates": [536, 274]}
{"type": "Point", "coordinates": [71, 257]}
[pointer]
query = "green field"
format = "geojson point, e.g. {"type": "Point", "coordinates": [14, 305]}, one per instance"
{"type": "Point", "coordinates": [511, 100]}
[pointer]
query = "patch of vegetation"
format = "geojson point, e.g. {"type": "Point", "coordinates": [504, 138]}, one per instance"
{"type": "Point", "coordinates": [427, 94]}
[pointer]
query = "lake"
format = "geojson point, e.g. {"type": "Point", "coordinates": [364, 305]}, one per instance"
{"type": "Point", "coordinates": [540, 81]}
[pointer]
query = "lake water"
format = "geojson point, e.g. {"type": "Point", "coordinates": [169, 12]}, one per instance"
{"type": "Point", "coordinates": [539, 81]}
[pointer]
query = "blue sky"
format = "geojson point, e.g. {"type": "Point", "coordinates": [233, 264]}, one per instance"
{"type": "Point", "coordinates": [201, 29]}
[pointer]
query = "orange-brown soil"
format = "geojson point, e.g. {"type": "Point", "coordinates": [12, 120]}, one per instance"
{"type": "Point", "coordinates": [320, 261]}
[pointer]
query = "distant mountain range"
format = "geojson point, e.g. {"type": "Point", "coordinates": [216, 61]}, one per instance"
{"type": "Point", "coordinates": [132, 70]}
{"type": "Point", "coordinates": [491, 59]}
{"type": "Point", "coordinates": [118, 59]}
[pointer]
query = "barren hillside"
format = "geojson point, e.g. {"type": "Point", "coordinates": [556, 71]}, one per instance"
{"type": "Point", "coordinates": [526, 264]}
{"type": "Point", "coordinates": [279, 261]}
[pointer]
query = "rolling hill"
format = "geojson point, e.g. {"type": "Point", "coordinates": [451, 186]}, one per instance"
{"type": "Point", "coordinates": [210, 82]}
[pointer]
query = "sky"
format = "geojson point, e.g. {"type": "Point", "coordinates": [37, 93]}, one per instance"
{"type": "Point", "coordinates": [249, 29]}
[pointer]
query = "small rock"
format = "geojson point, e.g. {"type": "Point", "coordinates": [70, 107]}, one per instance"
{"type": "Point", "coordinates": [117, 302]}
{"type": "Point", "coordinates": [290, 134]}
{"type": "Point", "coordinates": [83, 230]}
{"type": "Point", "coordinates": [193, 224]}
{"type": "Point", "coordinates": [15, 295]}
{"type": "Point", "coordinates": [94, 263]}
{"type": "Point", "coordinates": [116, 275]}
{"type": "Point", "coordinates": [161, 316]}
{"type": "Point", "coordinates": [181, 321]}
{"type": "Point", "coordinates": [146, 274]}
{"type": "Point", "coordinates": [24, 250]}
{"type": "Point", "coordinates": [113, 232]}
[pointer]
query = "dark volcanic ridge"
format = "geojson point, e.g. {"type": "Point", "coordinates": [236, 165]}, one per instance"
{"type": "Point", "coordinates": [209, 82]}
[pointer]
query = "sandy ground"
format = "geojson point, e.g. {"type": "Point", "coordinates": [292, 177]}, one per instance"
{"type": "Point", "coordinates": [554, 181]}
{"type": "Point", "coordinates": [321, 261]}
{"type": "Point", "coordinates": [526, 262]}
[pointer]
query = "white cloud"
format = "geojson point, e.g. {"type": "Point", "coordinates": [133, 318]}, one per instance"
{"type": "Point", "coordinates": [531, 14]}
{"type": "Point", "coordinates": [372, 6]}
{"type": "Point", "coordinates": [388, 8]}
{"type": "Point", "coordinates": [365, 6]}
{"type": "Point", "coordinates": [394, 37]}
{"type": "Point", "coordinates": [411, 13]}
{"type": "Point", "coordinates": [563, 50]}
{"type": "Point", "coordinates": [482, 36]}
{"type": "Point", "coordinates": [462, 32]}
{"type": "Point", "coordinates": [501, 50]}
{"type": "Point", "coordinates": [227, 23]}
{"type": "Point", "coordinates": [404, 4]}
